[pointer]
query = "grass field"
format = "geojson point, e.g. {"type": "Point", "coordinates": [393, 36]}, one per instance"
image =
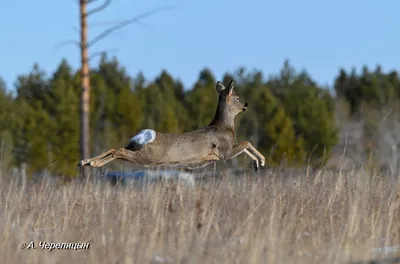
{"type": "Point", "coordinates": [326, 217]}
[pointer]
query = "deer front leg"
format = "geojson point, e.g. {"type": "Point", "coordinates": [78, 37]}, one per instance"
{"type": "Point", "coordinates": [254, 158]}
{"type": "Point", "coordinates": [244, 147]}
{"type": "Point", "coordinates": [251, 148]}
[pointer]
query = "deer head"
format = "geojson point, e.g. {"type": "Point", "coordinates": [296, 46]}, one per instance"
{"type": "Point", "coordinates": [229, 104]}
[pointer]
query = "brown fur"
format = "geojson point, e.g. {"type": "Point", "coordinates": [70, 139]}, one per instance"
{"type": "Point", "coordinates": [192, 149]}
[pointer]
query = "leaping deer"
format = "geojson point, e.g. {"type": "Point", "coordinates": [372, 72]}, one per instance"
{"type": "Point", "coordinates": [194, 149]}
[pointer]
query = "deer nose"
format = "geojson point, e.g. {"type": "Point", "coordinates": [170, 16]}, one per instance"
{"type": "Point", "coordinates": [245, 107]}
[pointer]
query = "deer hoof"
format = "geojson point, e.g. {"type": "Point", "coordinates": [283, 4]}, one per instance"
{"type": "Point", "coordinates": [255, 165]}
{"type": "Point", "coordinates": [82, 163]}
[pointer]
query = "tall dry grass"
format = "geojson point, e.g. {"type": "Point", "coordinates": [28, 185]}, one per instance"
{"type": "Point", "coordinates": [273, 218]}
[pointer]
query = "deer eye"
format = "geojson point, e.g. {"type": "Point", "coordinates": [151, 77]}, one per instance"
{"type": "Point", "coordinates": [237, 99]}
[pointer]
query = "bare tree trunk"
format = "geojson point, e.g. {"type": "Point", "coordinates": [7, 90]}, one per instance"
{"type": "Point", "coordinates": [84, 45]}
{"type": "Point", "coordinates": [85, 93]}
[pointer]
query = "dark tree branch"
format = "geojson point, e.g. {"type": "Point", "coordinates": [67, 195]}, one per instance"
{"type": "Point", "coordinates": [143, 24]}
{"type": "Point", "coordinates": [115, 34]}
{"type": "Point", "coordinates": [107, 23]}
{"type": "Point", "coordinates": [99, 24]}
{"type": "Point", "coordinates": [69, 41]}
{"type": "Point", "coordinates": [99, 8]}
{"type": "Point", "coordinates": [113, 22]}
{"type": "Point", "coordinates": [125, 23]}
{"type": "Point", "coordinates": [98, 53]}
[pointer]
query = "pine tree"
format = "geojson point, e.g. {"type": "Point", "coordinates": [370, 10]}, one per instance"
{"type": "Point", "coordinates": [116, 109]}
{"type": "Point", "coordinates": [281, 140]}
{"type": "Point", "coordinates": [314, 122]}
{"type": "Point", "coordinates": [202, 99]}
{"type": "Point", "coordinates": [175, 103]}
{"type": "Point", "coordinates": [63, 108]}
{"type": "Point", "coordinates": [277, 135]}
{"type": "Point", "coordinates": [30, 128]}
{"type": "Point", "coordinates": [6, 118]}
{"type": "Point", "coordinates": [30, 133]}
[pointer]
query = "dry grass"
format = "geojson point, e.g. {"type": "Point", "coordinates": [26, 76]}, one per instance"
{"type": "Point", "coordinates": [323, 218]}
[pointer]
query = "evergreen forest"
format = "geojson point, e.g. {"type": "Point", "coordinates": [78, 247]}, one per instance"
{"type": "Point", "coordinates": [291, 119]}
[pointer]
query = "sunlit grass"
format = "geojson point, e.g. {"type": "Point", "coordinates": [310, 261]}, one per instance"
{"type": "Point", "coordinates": [273, 218]}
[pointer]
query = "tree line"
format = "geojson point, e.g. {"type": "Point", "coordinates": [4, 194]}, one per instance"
{"type": "Point", "coordinates": [291, 118]}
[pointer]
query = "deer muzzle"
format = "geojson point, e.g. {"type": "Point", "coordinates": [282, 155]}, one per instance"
{"type": "Point", "coordinates": [244, 106]}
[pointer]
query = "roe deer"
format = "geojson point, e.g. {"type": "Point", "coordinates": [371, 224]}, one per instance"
{"type": "Point", "coordinates": [194, 149]}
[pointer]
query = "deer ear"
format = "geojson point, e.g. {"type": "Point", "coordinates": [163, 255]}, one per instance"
{"type": "Point", "coordinates": [220, 87]}
{"type": "Point", "coordinates": [231, 86]}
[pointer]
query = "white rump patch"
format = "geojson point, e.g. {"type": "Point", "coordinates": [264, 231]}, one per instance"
{"type": "Point", "coordinates": [145, 136]}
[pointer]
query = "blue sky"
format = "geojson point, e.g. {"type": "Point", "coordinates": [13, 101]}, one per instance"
{"type": "Point", "coordinates": [319, 36]}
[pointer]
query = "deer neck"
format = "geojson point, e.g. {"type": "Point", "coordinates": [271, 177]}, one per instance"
{"type": "Point", "coordinates": [223, 117]}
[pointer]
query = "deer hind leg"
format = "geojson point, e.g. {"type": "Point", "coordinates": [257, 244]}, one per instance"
{"type": "Point", "coordinates": [245, 146]}
{"type": "Point", "coordinates": [121, 154]}
{"type": "Point", "coordinates": [145, 136]}
{"type": "Point", "coordinates": [109, 156]}
{"type": "Point", "coordinates": [103, 161]}
{"type": "Point", "coordinates": [87, 162]}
